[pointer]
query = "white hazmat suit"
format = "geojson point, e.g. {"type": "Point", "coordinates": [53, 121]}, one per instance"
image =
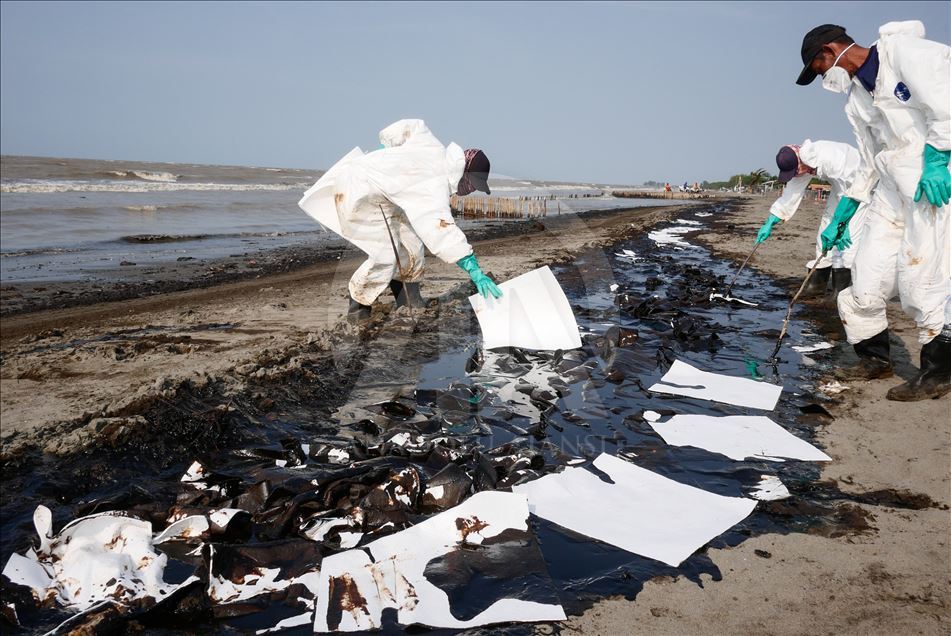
{"type": "Point", "coordinates": [410, 181]}
{"type": "Point", "coordinates": [836, 163]}
{"type": "Point", "coordinates": [904, 241]}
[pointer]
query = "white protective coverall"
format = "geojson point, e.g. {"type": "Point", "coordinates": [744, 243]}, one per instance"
{"type": "Point", "coordinates": [410, 180]}
{"type": "Point", "coordinates": [836, 163]}
{"type": "Point", "coordinates": [904, 241]}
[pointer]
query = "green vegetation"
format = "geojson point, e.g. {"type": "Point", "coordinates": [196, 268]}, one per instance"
{"type": "Point", "coordinates": [754, 178]}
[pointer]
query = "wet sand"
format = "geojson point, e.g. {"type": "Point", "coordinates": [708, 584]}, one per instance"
{"type": "Point", "coordinates": [894, 580]}
{"type": "Point", "coordinates": [77, 377]}
{"type": "Point", "coordinates": [134, 280]}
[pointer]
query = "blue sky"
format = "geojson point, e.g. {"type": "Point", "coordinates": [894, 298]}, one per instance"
{"type": "Point", "coordinates": [604, 92]}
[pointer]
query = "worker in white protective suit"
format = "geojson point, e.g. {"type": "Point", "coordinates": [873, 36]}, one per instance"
{"type": "Point", "coordinates": [836, 163]}
{"type": "Point", "coordinates": [393, 203]}
{"type": "Point", "coordinates": [900, 108]}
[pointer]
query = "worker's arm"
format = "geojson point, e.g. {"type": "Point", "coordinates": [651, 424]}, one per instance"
{"type": "Point", "coordinates": [789, 201]}
{"type": "Point", "coordinates": [925, 70]}
{"type": "Point", "coordinates": [924, 67]}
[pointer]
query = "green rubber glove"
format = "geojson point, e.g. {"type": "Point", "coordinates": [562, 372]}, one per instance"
{"type": "Point", "coordinates": [767, 228]}
{"type": "Point", "coordinates": [483, 283]}
{"type": "Point", "coordinates": [843, 214]}
{"type": "Point", "coordinates": [935, 180]}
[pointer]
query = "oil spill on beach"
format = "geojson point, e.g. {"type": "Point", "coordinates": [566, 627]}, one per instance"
{"type": "Point", "coordinates": [366, 433]}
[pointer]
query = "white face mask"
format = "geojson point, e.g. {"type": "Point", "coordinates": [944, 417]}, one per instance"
{"type": "Point", "coordinates": [837, 79]}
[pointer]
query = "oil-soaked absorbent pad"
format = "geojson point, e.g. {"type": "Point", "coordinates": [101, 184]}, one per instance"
{"type": "Point", "coordinates": [641, 512]}
{"type": "Point", "coordinates": [533, 313]}
{"type": "Point", "coordinates": [738, 437]}
{"type": "Point", "coordinates": [683, 379]}
{"type": "Point", "coordinates": [102, 557]}
{"type": "Point", "coordinates": [461, 568]}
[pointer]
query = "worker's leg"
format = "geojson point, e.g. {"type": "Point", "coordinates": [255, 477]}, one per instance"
{"type": "Point", "coordinates": [924, 267]}
{"type": "Point", "coordinates": [405, 285]}
{"type": "Point", "coordinates": [411, 249]}
{"type": "Point", "coordinates": [874, 282]}
{"type": "Point", "coordinates": [827, 215]}
{"type": "Point", "coordinates": [856, 231]}
{"type": "Point", "coordinates": [924, 279]}
{"type": "Point", "coordinates": [372, 278]}
{"type": "Point", "coordinates": [842, 259]}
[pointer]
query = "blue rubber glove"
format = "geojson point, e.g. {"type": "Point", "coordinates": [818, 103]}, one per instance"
{"type": "Point", "coordinates": [935, 180]}
{"type": "Point", "coordinates": [843, 214]}
{"type": "Point", "coordinates": [483, 283]}
{"type": "Point", "coordinates": [767, 228]}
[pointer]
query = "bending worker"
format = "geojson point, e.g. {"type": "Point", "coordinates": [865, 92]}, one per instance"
{"type": "Point", "coordinates": [899, 106]}
{"type": "Point", "coordinates": [835, 162]}
{"type": "Point", "coordinates": [393, 203]}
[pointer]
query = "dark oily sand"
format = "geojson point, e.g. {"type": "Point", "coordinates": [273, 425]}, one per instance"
{"type": "Point", "coordinates": [380, 428]}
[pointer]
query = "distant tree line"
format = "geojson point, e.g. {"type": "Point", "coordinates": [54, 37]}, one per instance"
{"type": "Point", "coordinates": [751, 179]}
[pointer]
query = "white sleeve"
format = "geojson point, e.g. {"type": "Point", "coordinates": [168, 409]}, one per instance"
{"type": "Point", "coordinates": [866, 175]}
{"type": "Point", "coordinates": [924, 67]}
{"type": "Point", "coordinates": [788, 202]}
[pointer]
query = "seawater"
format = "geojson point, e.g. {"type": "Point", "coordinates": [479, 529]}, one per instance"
{"type": "Point", "coordinates": [79, 219]}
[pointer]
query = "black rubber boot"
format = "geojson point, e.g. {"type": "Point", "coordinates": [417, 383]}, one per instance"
{"type": "Point", "coordinates": [841, 279]}
{"type": "Point", "coordinates": [934, 376]}
{"type": "Point", "coordinates": [407, 291]}
{"type": "Point", "coordinates": [818, 284]}
{"type": "Point", "coordinates": [874, 360]}
{"type": "Point", "coordinates": [357, 312]}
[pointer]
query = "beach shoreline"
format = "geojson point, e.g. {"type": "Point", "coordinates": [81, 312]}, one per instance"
{"type": "Point", "coordinates": [77, 378]}
{"type": "Point", "coordinates": [112, 349]}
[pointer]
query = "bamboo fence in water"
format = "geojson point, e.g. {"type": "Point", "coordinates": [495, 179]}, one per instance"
{"type": "Point", "coordinates": [499, 207]}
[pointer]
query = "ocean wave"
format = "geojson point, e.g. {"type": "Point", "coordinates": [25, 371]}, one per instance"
{"type": "Point", "coordinates": [140, 208]}
{"type": "Point", "coordinates": [37, 251]}
{"type": "Point", "coordinates": [36, 186]}
{"type": "Point", "coordinates": [145, 175]}
{"type": "Point", "coordinates": [163, 238]}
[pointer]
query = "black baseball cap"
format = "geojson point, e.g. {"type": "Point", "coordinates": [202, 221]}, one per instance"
{"type": "Point", "coordinates": [477, 169]}
{"type": "Point", "coordinates": [812, 43]}
{"type": "Point", "coordinates": [788, 163]}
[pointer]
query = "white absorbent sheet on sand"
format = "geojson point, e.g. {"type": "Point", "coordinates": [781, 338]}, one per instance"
{"type": "Point", "coordinates": [650, 515]}
{"type": "Point", "coordinates": [815, 347]}
{"type": "Point", "coordinates": [769, 488]}
{"type": "Point", "coordinates": [390, 572]}
{"type": "Point", "coordinates": [683, 379]}
{"type": "Point", "coordinates": [533, 313]}
{"type": "Point", "coordinates": [738, 437]}
{"type": "Point", "coordinates": [671, 236]}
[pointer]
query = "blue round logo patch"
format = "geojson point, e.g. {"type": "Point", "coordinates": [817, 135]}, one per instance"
{"type": "Point", "coordinates": [902, 92]}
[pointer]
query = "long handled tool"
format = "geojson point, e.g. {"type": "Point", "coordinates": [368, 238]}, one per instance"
{"type": "Point", "coordinates": [726, 294]}
{"type": "Point", "coordinates": [782, 334]}
{"type": "Point", "coordinates": [396, 253]}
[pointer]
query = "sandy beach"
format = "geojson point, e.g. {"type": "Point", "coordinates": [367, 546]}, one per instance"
{"type": "Point", "coordinates": [165, 371]}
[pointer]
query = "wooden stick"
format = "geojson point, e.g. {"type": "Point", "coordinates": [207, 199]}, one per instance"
{"type": "Point", "coordinates": [396, 253]}
{"type": "Point", "coordinates": [782, 333]}
{"type": "Point", "coordinates": [726, 294]}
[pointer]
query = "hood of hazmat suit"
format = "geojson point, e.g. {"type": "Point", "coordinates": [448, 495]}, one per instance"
{"type": "Point", "coordinates": [413, 173]}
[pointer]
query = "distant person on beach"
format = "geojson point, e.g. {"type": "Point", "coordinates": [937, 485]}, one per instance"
{"type": "Point", "coordinates": [668, 193]}
{"type": "Point", "coordinates": [899, 106]}
{"type": "Point", "coordinates": [393, 203]}
{"type": "Point", "coordinates": [798, 164]}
